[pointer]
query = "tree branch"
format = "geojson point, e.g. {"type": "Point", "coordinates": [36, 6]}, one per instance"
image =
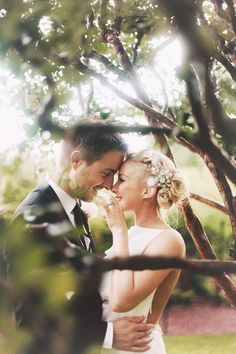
{"type": "Point", "coordinates": [137, 263]}
{"type": "Point", "coordinates": [142, 106]}
{"type": "Point", "coordinates": [103, 18]}
{"type": "Point", "coordinates": [109, 65]}
{"type": "Point", "coordinates": [203, 141]}
{"type": "Point", "coordinates": [125, 62]}
{"type": "Point", "coordinates": [109, 129]}
{"type": "Point", "coordinates": [225, 191]}
{"type": "Point", "coordinates": [118, 16]}
{"type": "Point", "coordinates": [226, 16]}
{"type": "Point", "coordinates": [134, 80]}
{"type": "Point", "coordinates": [90, 20]}
{"type": "Point", "coordinates": [224, 126]}
{"type": "Point", "coordinates": [220, 11]}
{"type": "Point", "coordinates": [232, 14]}
{"type": "Point", "coordinates": [226, 63]}
{"type": "Point", "coordinates": [217, 54]}
{"type": "Point", "coordinates": [209, 202]}
{"type": "Point", "coordinates": [215, 268]}
{"type": "Point", "coordinates": [154, 117]}
{"type": "Point", "coordinates": [139, 38]}
{"type": "Point", "coordinates": [195, 101]}
{"type": "Point", "coordinates": [205, 249]}
{"type": "Point", "coordinates": [223, 161]}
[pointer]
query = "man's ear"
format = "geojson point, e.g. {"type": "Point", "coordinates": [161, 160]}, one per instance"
{"type": "Point", "coordinates": [75, 158]}
{"type": "Point", "coordinates": [149, 192]}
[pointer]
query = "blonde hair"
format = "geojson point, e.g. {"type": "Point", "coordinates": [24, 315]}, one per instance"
{"type": "Point", "coordinates": [171, 185]}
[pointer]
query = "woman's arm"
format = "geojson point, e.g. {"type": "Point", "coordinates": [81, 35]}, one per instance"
{"type": "Point", "coordinates": [129, 288]}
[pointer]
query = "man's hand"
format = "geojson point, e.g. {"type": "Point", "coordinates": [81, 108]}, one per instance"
{"type": "Point", "coordinates": [131, 334]}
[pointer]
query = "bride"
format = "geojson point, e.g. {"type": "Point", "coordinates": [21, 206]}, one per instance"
{"type": "Point", "coordinates": [147, 182]}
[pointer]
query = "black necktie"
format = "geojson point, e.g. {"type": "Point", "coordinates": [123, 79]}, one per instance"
{"type": "Point", "coordinates": [82, 224]}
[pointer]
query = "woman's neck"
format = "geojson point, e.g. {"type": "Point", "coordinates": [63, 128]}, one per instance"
{"type": "Point", "coordinates": [150, 217]}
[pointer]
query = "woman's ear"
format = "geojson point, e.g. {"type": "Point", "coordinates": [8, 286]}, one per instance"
{"type": "Point", "coordinates": [75, 158]}
{"type": "Point", "coordinates": [149, 191]}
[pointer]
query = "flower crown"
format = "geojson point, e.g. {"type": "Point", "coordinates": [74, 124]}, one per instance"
{"type": "Point", "coordinates": [162, 177]}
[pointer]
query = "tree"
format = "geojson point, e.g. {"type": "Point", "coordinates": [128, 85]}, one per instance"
{"type": "Point", "coordinates": [58, 42]}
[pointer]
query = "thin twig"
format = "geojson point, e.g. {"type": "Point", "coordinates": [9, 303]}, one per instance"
{"type": "Point", "coordinates": [109, 65]}
{"type": "Point", "coordinates": [216, 53]}
{"type": "Point", "coordinates": [220, 11]}
{"type": "Point", "coordinates": [90, 20]}
{"type": "Point", "coordinates": [232, 14]}
{"type": "Point", "coordinates": [223, 125]}
{"type": "Point", "coordinates": [225, 191]}
{"type": "Point", "coordinates": [195, 101]}
{"type": "Point", "coordinates": [118, 16]}
{"type": "Point", "coordinates": [139, 38]}
{"type": "Point", "coordinates": [103, 18]}
{"type": "Point", "coordinates": [226, 63]}
{"type": "Point", "coordinates": [220, 158]}
{"type": "Point", "coordinates": [209, 202]}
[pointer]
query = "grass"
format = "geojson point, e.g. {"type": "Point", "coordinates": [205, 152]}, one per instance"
{"type": "Point", "coordinates": [202, 344]}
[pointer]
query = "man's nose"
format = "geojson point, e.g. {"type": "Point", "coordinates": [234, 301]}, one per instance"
{"type": "Point", "coordinates": [108, 182]}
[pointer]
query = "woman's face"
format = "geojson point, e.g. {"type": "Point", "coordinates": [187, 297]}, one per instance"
{"type": "Point", "coordinates": [130, 186]}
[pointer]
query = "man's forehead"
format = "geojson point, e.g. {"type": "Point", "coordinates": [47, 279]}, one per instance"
{"type": "Point", "coordinates": [112, 158]}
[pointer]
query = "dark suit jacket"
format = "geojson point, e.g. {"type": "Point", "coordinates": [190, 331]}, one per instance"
{"type": "Point", "coordinates": [42, 210]}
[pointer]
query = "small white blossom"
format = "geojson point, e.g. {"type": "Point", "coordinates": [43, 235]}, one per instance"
{"type": "Point", "coordinates": [162, 177]}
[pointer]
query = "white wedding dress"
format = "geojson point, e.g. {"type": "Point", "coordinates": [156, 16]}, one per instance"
{"type": "Point", "coordinates": [139, 238]}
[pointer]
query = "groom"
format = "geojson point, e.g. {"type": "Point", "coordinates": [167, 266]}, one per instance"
{"type": "Point", "coordinates": [87, 163]}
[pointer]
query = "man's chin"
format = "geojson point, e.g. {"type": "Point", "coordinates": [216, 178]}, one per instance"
{"type": "Point", "coordinates": [89, 196]}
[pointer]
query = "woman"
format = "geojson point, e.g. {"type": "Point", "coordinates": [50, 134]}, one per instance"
{"type": "Point", "coordinates": [147, 182]}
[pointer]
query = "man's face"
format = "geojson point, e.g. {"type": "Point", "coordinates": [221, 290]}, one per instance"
{"type": "Point", "coordinates": [86, 180]}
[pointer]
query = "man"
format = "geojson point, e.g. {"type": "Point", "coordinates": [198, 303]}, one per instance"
{"type": "Point", "coordinates": [88, 162]}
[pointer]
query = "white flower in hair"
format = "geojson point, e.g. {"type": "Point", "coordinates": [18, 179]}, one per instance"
{"type": "Point", "coordinates": [162, 177]}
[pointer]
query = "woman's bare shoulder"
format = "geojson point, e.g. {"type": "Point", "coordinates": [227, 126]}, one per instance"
{"type": "Point", "coordinates": [168, 242]}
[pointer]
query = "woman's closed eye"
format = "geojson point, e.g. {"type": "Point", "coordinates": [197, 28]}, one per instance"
{"type": "Point", "coordinates": [120, 179]}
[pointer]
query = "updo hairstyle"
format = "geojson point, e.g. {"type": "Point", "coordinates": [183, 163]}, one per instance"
{"type": "Point", "coordinates": [161, 171]}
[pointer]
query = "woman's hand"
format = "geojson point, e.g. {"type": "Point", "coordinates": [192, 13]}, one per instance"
{"type": "Point", "coordinates": [113, 214]}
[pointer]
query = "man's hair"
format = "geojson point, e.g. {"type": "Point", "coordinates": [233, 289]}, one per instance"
{"type": "Point", "coordinates": [94, 144]}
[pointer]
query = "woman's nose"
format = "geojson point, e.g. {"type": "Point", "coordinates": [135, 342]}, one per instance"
{"type": "Point", "coordinates": [114, 188]}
